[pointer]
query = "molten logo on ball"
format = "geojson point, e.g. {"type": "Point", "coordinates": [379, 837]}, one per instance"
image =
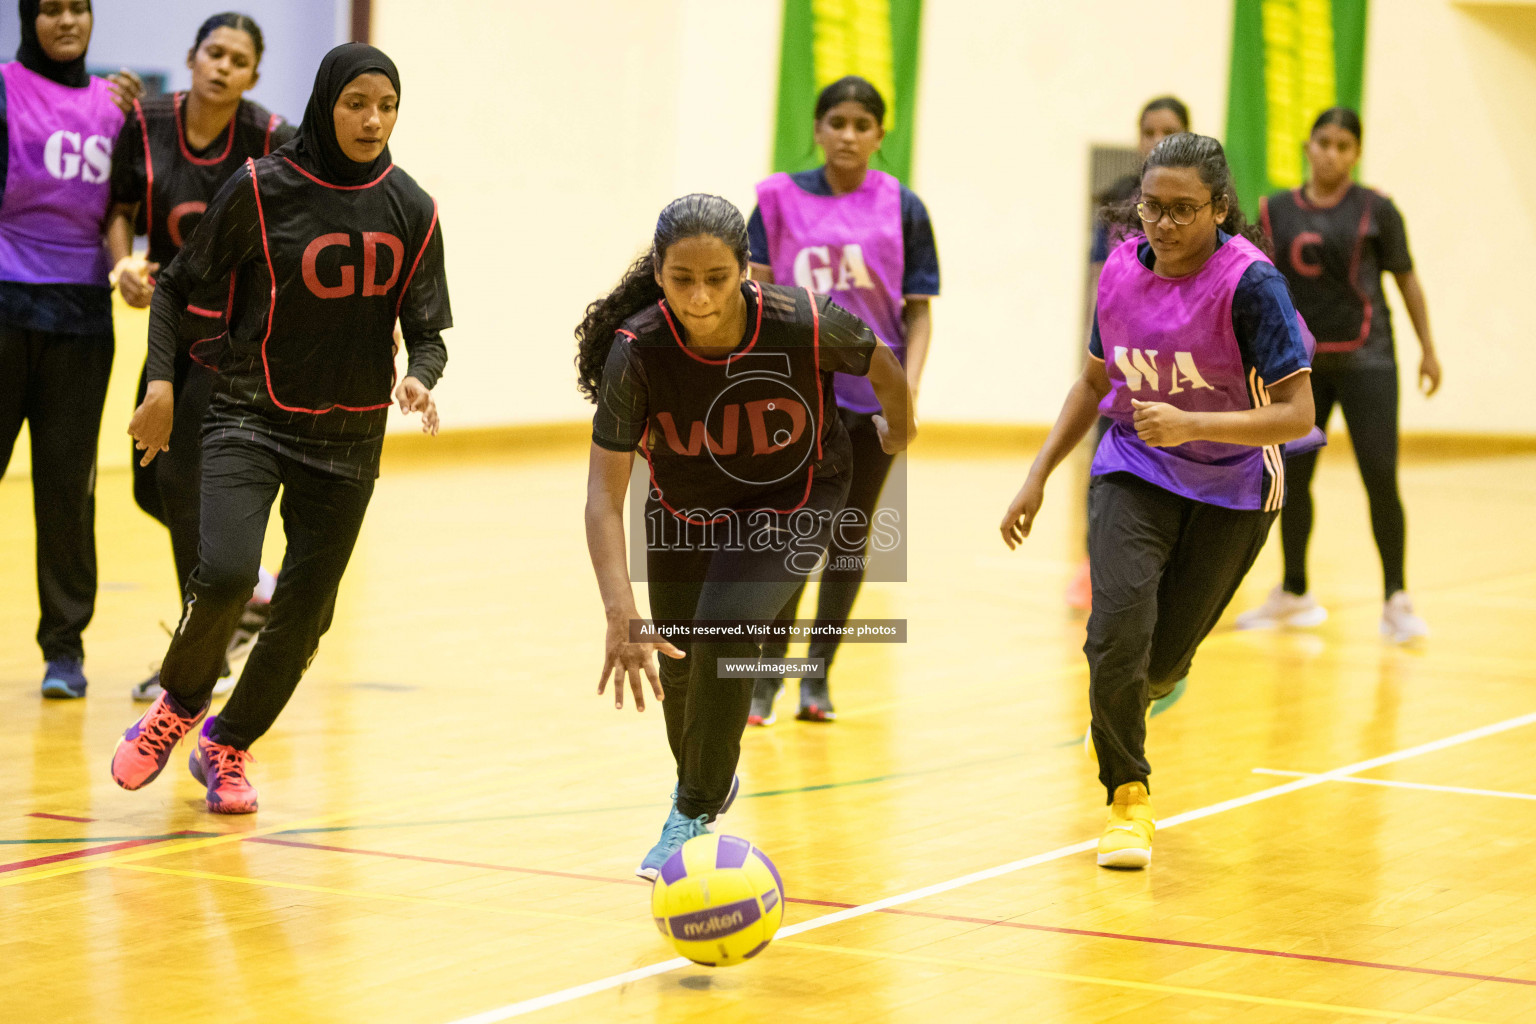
{"type": "Point", "coordinates": [719, 900]}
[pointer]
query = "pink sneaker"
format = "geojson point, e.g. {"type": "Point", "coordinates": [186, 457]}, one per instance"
{"type": "Point", "coordinates": [222, 770]}
{"type": "Point", "coordinates": [145, 748]}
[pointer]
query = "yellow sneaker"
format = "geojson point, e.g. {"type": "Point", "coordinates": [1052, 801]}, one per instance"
{"type": "Point", "coordinates": [1127, 838]}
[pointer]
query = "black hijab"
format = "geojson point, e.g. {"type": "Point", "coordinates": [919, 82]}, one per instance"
{"type": "Point", "coordinates": [34, 58]}
{"type": "Point", "coordinates": [315, 147]}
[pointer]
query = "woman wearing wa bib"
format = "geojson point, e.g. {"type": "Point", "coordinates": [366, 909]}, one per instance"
{"type": "Point", "coordinates": [329, 244]}
{"type": "Point", "coordinates": [860, 236]}
{"type": "Point", "coordinates": [57, 126]}
{"type": "Point", "coordinates": [1199, 360]}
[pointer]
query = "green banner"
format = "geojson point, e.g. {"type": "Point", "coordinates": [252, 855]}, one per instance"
{"type": "Point", "coordinates": [1291, 60]}
{"type": "Point", "coordinates": [824, 40]}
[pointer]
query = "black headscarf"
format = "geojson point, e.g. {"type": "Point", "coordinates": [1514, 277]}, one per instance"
{"type": "Point", "coordinates": [34, 58]}
{"type": "Point", "coordinates": [315, 147]}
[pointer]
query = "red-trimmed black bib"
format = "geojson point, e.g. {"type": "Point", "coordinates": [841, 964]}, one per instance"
{"type": "Point", "coordinates": [738, 432]}
{"type": "Point", "coordinates": [340, 260]}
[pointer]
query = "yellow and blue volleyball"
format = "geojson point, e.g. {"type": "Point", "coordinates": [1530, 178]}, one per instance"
{"type": "Point", "coordinates": [719, 900]}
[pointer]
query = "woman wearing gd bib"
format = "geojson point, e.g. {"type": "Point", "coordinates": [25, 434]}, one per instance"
{"type": "Point", "coordinates": [724, 385]}
{"type": "Point", "coordinates": [862, 237]}
{"type": "Point", "coordinates": [57, 126]}
{"type": "Point", "coordinates": [173, 154]}
{"type": "Point", "coordinates": [1199, 360]}
{"type": "Point", "coordinates": [329, 244]}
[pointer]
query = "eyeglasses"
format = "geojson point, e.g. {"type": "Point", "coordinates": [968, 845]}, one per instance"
{"type": "Point", "coordinates": [1182, 214]}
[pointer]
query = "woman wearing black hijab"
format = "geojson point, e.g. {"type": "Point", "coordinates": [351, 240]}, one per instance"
{"type": "Point", "coordinates": [329, 243]}
{"type": "Point", "coordinates": [57, 127]}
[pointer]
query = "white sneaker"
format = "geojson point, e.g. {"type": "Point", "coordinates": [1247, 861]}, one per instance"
{"type": "Point", "coordinates": [150, 690]}
{"type": "Point", "coordinates": [1398, 622]}
{"type": "Point", "coordinates": [1284, 609]}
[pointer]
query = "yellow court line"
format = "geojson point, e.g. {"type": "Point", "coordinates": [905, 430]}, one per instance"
{"type": "Point", "coordinates": [1145, 986]}
{"type": "Point", "coordinates": [384, 897]}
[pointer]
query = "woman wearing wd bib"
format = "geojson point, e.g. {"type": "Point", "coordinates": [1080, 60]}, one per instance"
{"type": "Point", "coordinates": [329, 244]}
{"type": "Point", "coordinates": [173, 154]}
{"type": "Point", "coordinates": [57, 126]}
{"type": "Point", "coordinates": [1333, 239]}
{"type": "Point", "coordinates": [864, 238]}
{"type": "Point", "coordinates": [1199, 361]}
{"type": "Point", "coordinates": [725, 386]}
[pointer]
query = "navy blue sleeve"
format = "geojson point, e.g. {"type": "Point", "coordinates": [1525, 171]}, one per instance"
{"type": "Point", "coordinates": [5, 142]}
{"type": "Point", "coordinates": [1095, 341]}
{"type": "Point", "coordinates": [757, 239]}
{"type": "Point", "coordinates": [1099, 251]}
{"type": "Point", "coordinates": [921, 255]}
{"type": "Point", "coordinates": [1264, 320]}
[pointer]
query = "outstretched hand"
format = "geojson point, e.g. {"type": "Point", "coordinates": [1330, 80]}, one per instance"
{"type": "Point", "coordinates": [627, 660]}
{"type": "Point", "coordinates": [413, 396]}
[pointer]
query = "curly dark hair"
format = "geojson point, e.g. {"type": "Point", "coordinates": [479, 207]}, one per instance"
{"type": "Point", "coordinates": [1207, 157]}
{"type": "Point", "coordinates": [688, 217]}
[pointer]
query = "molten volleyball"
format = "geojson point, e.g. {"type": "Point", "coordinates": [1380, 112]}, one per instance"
{"type": "Point", "coordinates": [718, 900]}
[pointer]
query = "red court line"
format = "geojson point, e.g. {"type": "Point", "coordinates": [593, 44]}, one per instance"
{"type": "Point", "coordinates": [59, 817]}
{"type": "Point", "coordinates": [440, 860]}
{"type": "Point", "coordinates": [94, 851]}
{"type": "Point", "coordinates": [985, 922]}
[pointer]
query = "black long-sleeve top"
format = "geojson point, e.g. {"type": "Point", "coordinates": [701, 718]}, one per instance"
{"type": "Point", "coordinates": [318, 276]}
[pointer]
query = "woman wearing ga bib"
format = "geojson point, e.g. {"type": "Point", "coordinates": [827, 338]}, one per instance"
{"type": "Point", "coordinates": [171, 157]}
{"type": "Point", "coordinates": [1198, 359]}
{"type": "Point", "coordinates": [57, 126]}
{"type": "Point", "coordinates": [329, 244]}
{"type": "Point", "coordinates": [1333, 240]}
{"type": "Point", "coordinates": [859, 235]}
{"type": "Point", "coordinates": [725, 386]}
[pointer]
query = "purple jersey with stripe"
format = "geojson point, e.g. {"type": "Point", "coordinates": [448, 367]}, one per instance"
{"type": "Point", "coordinates": [1171, 340]}
{"type": "Point", "coordinates": [56, 188]}
{"type": "Point", "coordinates": [848, 246]}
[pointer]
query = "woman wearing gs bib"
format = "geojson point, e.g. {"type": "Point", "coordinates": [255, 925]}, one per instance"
{"type": "Point", "coordinates": [329, 244]}
{"type": "Point", "coordinates": [724, 385]}
{"type": "Point", "coordinates": [57, 126]}
{"type": "Point", "coordinates": [1199, 361]}
{"type": "Point", "coordinates": [171, 157]}
{"type": "Point", "coordinates": [859, 235]}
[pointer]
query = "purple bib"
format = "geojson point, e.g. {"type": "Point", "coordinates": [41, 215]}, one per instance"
{"type": "Point", "coordinates": [57, 189]}
{"type": "Point", "coordinates": [1171, 340]}
{"type": "Point", "coordinates": [848, 246]}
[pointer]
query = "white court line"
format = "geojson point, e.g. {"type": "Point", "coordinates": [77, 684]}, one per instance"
{"type": "Point", "coordinates": [1306, 782]}
{"type": "Point", "coordinates": [1393, 784]}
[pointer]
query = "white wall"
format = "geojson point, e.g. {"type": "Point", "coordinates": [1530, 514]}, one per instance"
{"type": "Point", "coordinates": [552, 160]}
{"type": "Point", "coordinates": [550, 154]}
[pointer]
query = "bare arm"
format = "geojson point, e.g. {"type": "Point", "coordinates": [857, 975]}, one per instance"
{"type": "Point", "coordinates": [120, 230]}
{"type": "Point", "coordinates": [1418, 312]}
{"type": "Point", "coordinates": [1288, 417]}
{"type": "Point", "coordinates": [917, 315]}
{"type": "Point", "coordinates": [896, 422]}
{"type": "Point", "coordinates": [607, 484]}
{"type": "Point", "coordinates": [1076, 418]}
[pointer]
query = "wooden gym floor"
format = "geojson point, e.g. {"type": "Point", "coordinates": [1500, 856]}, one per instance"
{"type": "Point", "coordinates": [451, 816]}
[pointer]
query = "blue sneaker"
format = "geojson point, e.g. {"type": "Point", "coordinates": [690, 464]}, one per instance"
{"type": "Point", "coordinates": [64, 680]}
{"type": "Point", "coordinates": [677, 831]}
{"type": "Point", "coordinates": [730, 798]}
